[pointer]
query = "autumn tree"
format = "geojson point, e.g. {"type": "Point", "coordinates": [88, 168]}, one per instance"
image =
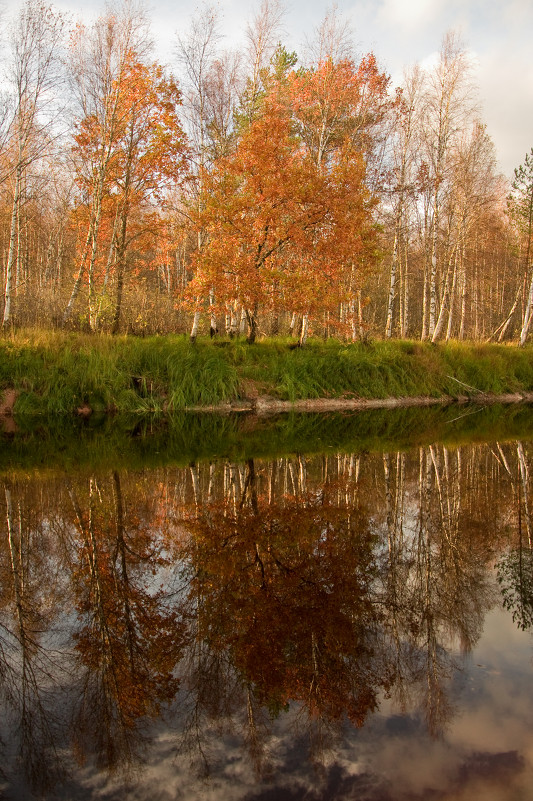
{"type": "Point", "coordinates": [149, 158]}
{"type": "Point", "coordinates": [99, 58]}
{"type": "Point", "coordinates": [127, 642]}
{"type": "Point", "coordinates": [211, 80]}
{"type": "Point", "coordinates": [262, 40]}
{"type": "Point", "coordinates": [339, 105]}
{"type": "Point", "coordinates": [281, 222]}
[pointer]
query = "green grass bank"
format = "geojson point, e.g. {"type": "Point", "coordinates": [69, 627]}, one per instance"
{"type": "Point", "coordinates": [58, 373]}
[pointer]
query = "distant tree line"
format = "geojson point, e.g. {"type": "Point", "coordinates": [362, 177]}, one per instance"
{"type": "Point", "coordinates": [263, 193]}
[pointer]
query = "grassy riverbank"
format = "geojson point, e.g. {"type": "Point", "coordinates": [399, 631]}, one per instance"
{"type": "Point", "coordinates": [55, 373]}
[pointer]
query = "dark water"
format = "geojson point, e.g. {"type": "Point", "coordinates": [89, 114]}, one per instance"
{"type": "Point", "coordinates": [302, 608]}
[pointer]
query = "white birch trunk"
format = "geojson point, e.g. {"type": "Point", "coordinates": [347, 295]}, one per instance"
{"type": "Point", "coordinates": [528, 314]}
{"type": "Point", "coordinates": [12, 248]}
{"type": "Point", "coordinates": [195, 325]}
{"type": "Point", "coordinates": [304, 331]}
{"type": "Point", "coordinates": [392, 285]}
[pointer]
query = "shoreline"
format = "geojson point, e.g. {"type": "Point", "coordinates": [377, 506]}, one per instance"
{"type": "Point", "coordinates": [266, 405]}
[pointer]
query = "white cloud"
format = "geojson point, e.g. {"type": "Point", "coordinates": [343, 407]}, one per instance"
{"type": "Point", "coordinates": [506, 88]}
{"type": "Point", "coordinates": [410, 15]}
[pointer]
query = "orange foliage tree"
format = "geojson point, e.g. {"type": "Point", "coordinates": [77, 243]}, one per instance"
{"type": "Point", "coordinates": [146, 155]}
{"type": "Point", "coordinates": [285, 229]}
{"type": "Point", "coordinates": [128, 641]}
{"type": "Point", "coordinates": [285, 589]}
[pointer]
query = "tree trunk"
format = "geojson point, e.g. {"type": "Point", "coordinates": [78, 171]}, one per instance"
{"type": "Point", "coordinates": [452, 293]}
{"type": "Point", "coordinates": [195, 325]}
{"type": "Point", "coordinates": [304, 331]}
{"type": "Point", "coordinates": [12, 247]}
{"type": "Point", "coordinates": [528, 314]}
{"type": "Point", "coordinates": [213, 320]}
{"type": "Point", "coordinates": [433, 273]}
{"type": "Point", "coordinates": [445, 302]}
{"type": "Point", "coordinates": [251, 317]}
{"type": "Point", "coordinates": [292, 325]}
{"type": "Point", "coordinates": [392, 283]}
{"type": "Point", "coordinates": [121, 270]}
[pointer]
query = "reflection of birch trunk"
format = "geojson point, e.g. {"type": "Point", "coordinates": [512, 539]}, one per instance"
{"type": "Point", "coordinates": [250, 490]}
{"type": "Point", "coordinates": [16, 573]}
{"type": "Point", "coordinates": [524, 476]}
{"type": "Point", "coordinates": [394, 500]}
{"type": "Point", "coordinates": [504, 462]}
{"type": "Point", "coordinates": [211, 485]}
{"type": "Point", "coordinates": [302, 475]}
{"type": "Point", "coordinates": [396, 586]}
{"type": "Point", "coordinates": [395, 573]}
{"type": "Point", "coordinates": [444, 518]}
{"type": "Point", "coordinates": [435, 704]}
{"type": "Point", "coordinates": [195, 481]}
{"type": "Point", "coordinates": [294, 480]}
{"type": "Point", "coordinates": [121, 553]}
{"type": "Point", "coordinates": [388, 501]}
{"type": "Point", "coordinates": [230, 486]}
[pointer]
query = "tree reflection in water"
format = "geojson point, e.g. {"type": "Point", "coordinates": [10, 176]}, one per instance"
{"type": "Point", "coordinates": [127, 642]}
{"type": "Point", "coordinates": [222, 595]}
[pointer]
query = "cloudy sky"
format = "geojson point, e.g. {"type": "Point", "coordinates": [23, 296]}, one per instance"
{"type": "Point", "coordinates": [401, 32]}
{"type": "Point", "coordinates": [498, 34]}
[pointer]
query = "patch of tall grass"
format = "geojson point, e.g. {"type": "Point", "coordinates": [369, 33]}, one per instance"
{"type": "Point", "coordinates": [57, 373]}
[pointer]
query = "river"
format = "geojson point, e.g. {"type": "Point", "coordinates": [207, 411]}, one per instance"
{"type": "Point", "coordinates": [304, 607]}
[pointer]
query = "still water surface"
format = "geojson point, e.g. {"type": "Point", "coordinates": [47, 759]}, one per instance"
{"type": "Point", "coordinates": [326, 623]}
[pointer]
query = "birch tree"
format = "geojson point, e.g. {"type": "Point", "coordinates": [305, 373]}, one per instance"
{"type": "Point", "coordinates": [405, 147]}
{"type": "Point", "coordinates": [473, 188]}
{"type": "Point", "coordinates": [521, 204]}
{"type": "Point", "coordinates": [33, 74]}
{"type": "Point", "coordinates": [449, 105]}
